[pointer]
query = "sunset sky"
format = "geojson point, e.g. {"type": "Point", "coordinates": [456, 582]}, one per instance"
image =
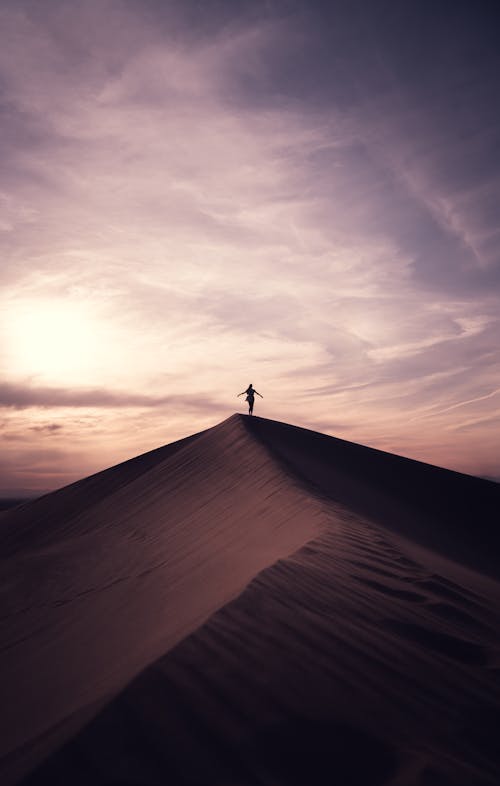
{"type": "Point", "coordinates": [199, 195]}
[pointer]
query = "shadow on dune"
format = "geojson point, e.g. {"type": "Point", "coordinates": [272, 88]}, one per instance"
{"type": "Point", "coordinates": [295, 752]}
{"type": "Point", "coordinates": [322, 752]}
{"type": "Point", "coordinates": [452, 513]}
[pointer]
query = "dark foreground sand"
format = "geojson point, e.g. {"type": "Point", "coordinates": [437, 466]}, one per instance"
{"type": "Point", "coordinates": [257, 604]}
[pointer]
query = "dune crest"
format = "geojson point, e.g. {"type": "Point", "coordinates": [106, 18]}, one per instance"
{"type": "Point", "coordinates": [249, 561]}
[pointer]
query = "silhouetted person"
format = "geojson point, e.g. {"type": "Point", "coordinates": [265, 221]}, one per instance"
{"type": "Point", "coordinates": [250, 391]}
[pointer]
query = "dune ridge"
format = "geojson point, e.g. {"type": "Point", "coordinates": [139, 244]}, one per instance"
{"type": "Point", "coordinates": [253, 582]}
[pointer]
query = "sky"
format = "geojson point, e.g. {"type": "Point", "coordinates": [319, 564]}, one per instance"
{"type": "Point", "coordinates": [199, 195]}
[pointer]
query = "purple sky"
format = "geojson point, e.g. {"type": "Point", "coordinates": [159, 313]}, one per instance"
{"type": "Point", "coordinates": [197, 195]}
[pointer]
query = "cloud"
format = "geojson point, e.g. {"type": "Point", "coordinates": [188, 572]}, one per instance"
{"type": "Point", "coordinates": [465, 403]}
{"type": "Point", "coordinates": [49, 428]}
{"type": "Point", "coordinates": [23, 397]}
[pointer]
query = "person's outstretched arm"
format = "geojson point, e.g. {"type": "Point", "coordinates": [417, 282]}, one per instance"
{"type": "Point", "coordinates": [256, 391]}
{"type": "Point", "coordinates": [240, 394]}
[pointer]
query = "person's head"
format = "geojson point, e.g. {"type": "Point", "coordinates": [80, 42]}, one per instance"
{"type": "Point", "coordinates": [250, 385]}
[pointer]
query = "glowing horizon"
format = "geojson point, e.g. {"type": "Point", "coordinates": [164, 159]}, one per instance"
{"type": "Point", "coordinates": [284, 193]}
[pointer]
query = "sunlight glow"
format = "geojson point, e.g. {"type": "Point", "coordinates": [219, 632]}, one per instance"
{"type": "Point", "coordinates": [53, 340]}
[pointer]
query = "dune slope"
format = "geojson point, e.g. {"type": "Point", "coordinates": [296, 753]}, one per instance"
{"type": "Point", "coordinates": [101, 578]}
{"type": "Point", "coordinates": [353, 651]}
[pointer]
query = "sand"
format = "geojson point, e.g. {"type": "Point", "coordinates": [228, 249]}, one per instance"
{"type": "Point", "coordinates": [256, 604]}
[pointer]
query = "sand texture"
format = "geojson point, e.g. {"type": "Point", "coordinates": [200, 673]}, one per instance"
{"type": "Point", "coordinates": [256, 604]}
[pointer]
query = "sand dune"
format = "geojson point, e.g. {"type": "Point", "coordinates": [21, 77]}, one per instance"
{"type": "Point", "coordinates": [256, 604]}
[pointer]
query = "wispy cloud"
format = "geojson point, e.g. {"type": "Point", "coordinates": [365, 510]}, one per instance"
{"type": "Point", "coordinates": [48, 428]}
